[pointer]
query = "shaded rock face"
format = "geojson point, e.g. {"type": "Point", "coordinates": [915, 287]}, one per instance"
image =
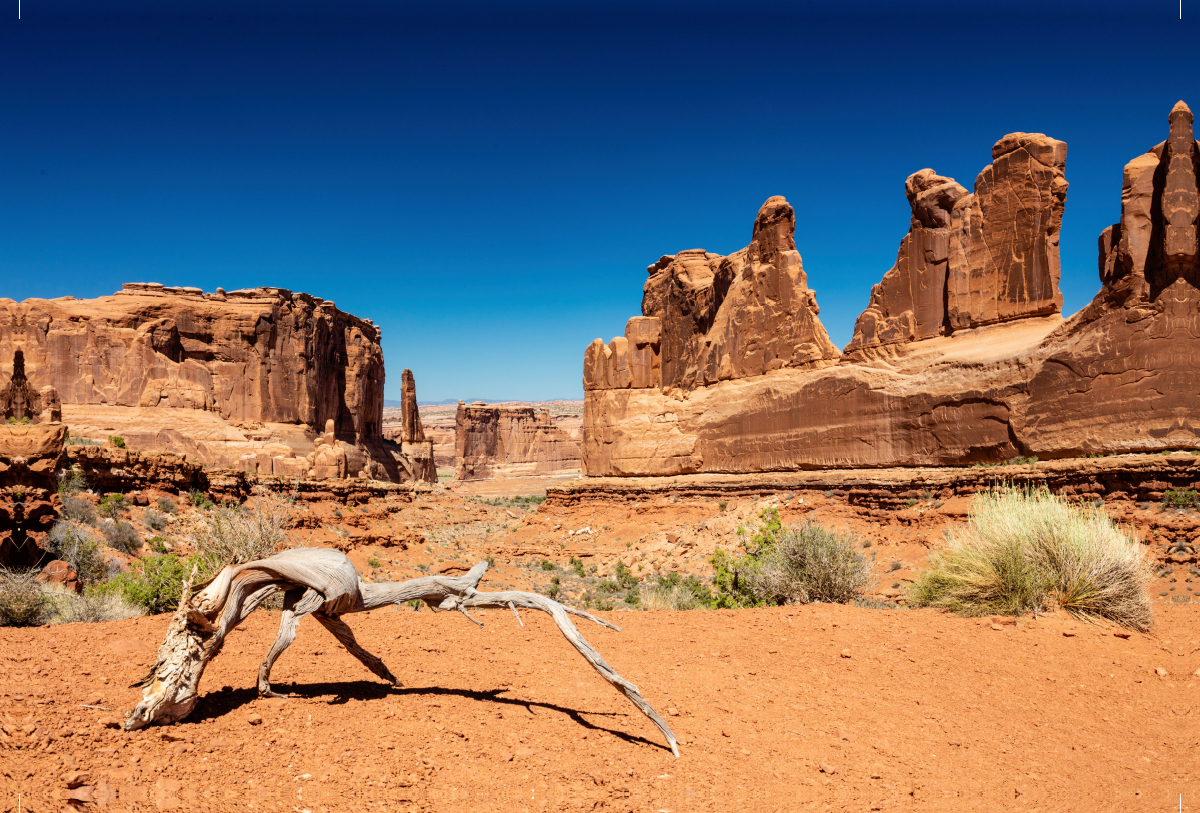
{"type": "Point", "coordinates": [493, 441]}
{"type": "Point", "coordinates": [708, 318]}
{"type": "Point", "coordinates": [30, 454]}
{"type": "Point", "coordinates": [992, 371]}
{"type": "Point", "coordinates": [974, 259]}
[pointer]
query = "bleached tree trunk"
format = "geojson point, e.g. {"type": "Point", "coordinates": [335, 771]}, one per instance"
{"type": "Point", "coordinates": [323, 583]}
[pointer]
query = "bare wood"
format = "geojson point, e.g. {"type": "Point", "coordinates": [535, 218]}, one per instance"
{"type": "Point", "coordinates": [322, 582]}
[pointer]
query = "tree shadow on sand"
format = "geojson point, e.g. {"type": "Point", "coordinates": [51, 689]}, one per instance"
{"type": "Point", "coordinates": [217, 704]}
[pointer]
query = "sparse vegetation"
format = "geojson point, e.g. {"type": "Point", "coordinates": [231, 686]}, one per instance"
{"type": "Point", "coordinates": [1014, 461]}
{"type": "Point", "coordinates": [547, 565]}
{"type": "Point", "coordinates": [1179, 498]}
{"type": "Point", "coordinates": [78, 509]}
{"type": "Point", "coordinates": [524, 503]}
{"type": "Point", "coordinates": [117, 440]}
{"type": "Point", "coordinates": [577, 566]}
{"type": "Point", "coordinates": [1026, 550]}
{"type": "Point", "coordinates": [374, 563]}
{"type": "Point", "coordinates": [676, 592]}
{"type": "Point", "coordinates": [795, 565]}
{"type": "Point", "coordinates": [76, 544]}
{"type": "Point", "coordinates": [154, 520]}
{"type": "Point", "coordinates": [112, 506]}
{"type": "Point", "coordinates": [155, 583]}
{"type": "Point", "coordinates": [166, 505]}
{"type": "Point", "coordinates": [92, 607]}
{"type": "Point", "coordinates": [23, 601]}
{"type": "Point", "coordinates": [121, 535]}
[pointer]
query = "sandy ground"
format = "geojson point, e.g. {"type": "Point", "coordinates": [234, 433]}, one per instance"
{"type": "Point", "coordinates": [816, 707]}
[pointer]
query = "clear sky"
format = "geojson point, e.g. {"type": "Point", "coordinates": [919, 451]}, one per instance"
{"type": "Point", "coordinates": [489, 181]}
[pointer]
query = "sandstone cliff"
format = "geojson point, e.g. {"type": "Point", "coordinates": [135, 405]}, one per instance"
{"type": "Point", "coordinates": [974, 259]}
{"type": "Point", "coordinates": [221, 377]}
{"type": "Point", "coordinates": [494, 441]}
{"type": "Point", "coordinates": [961, 356]}
{"type": "Point", "coordinates": [707, 318]}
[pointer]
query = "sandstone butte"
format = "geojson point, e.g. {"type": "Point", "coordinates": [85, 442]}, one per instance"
{"type": "Point", "coordinates": [505, 441]}
{"type": "Point", "coordinates": [961, 355]}
{"type": "Point", "coordinates": [263, 379]}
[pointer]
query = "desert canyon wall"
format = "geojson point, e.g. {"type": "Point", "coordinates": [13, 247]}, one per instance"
{"type": "Point", "coordinates": [961, 355]}
{"type": "Point", "coordinates": [262, 379]}
{"type": "Point", "coordinates": [505, 441]}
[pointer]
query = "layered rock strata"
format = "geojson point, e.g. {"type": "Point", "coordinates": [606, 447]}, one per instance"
{"type": "Point", "coordinates": [983, 372]}
{"type": "Point", "coordinates": [216, 376]}
{"type": "Point", "coordinates": [492, 441]}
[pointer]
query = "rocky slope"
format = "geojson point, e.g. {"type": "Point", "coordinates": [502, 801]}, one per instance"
{"type": "Point", "coordinates": [960, 356]}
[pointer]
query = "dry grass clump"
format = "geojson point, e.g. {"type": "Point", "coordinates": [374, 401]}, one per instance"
{"type": "Point", "coordinates": [670, 597]}
{"type": "Point", "coordinates": [91, 607]}
{"type": "Point", "coordinates": [809, 563]}
{"type": "Point", "coordinates": [1026, 550]}
{"type": "Point", "coordinates": [237, 533]}
{"type": "Point", "coordinates": [23, 602]}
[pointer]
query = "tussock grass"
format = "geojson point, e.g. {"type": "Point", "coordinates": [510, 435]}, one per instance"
{"type": "Point", "coordinates": [1026, 550]}
{"type": "Point", "coordinates": [93, 606]}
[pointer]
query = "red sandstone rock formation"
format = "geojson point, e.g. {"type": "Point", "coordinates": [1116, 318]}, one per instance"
{"type": "Point", "coordinates": [978, 259]}
{"type": "Point", "coordinates": [415, 447]}
{"type": "Point", "coordinates": [241, 378]}
{"type": "Point", "coordinates": [708, 318]}
{"type": "Point", "coordinates": [991, 373]}
{"type": "Point", "coordinates": [493, 441]}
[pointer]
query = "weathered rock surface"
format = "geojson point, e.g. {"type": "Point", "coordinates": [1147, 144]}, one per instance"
{"type": "Point", "coordinates": [414, 445]}
{"type": "Point", "coordinates": [992, 373]}
{"type": "Point", "coordinates": [495, 441]}
{"type": "Point", "coordinates": [708, 318]}
{"type": "Point", "coordinates": [217, 376]}
{"type": "Point", "coordinates": [974, 259]}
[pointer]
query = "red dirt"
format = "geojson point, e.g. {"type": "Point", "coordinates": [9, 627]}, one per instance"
{"type": "Point", "coordinates": [928, 711]}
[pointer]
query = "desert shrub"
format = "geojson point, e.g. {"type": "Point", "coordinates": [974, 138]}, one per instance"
{"type": "Point", "coordinates": [167, 505]}
{"type": "Point", "coordinates": [374, 563]}
{"type": "Point", "coordinates": [158, 544]}
{"type": "Point", "coordinates": [78, 509]}
{"type": "Point", "coordinates": [674, 591]}
{"type": "Point", "coordinates": [117, 440]}
{"type": "Point", "coordinates": [112, 505]}
{"type": "Point", "coordinates": [23, 601]}
{"type": "Point", "coordinates": [155, 583]}
{"type": "Point", "coordinates": [91, 607]}
{"type": "Point", "coordinates": [796, 565]}
{"type": "Point", "coordinates": [71, 481]}
{"type": "Point", "coordinates": [199, 499]}
{"type": "Point", "coordinates": [1179, 497]}
{"type": "Point", "coordinates": [233, 534]}
{"type": "Point", "coordinates": [154, 520]}
{"type": "Point", "coordinates": [76, 544]}
{"type": "Point", "coordinates": [1025, 550]}
{"type": "Point", "coordinates": [19, 421]}
{"type": "Point", "coordinates": [547, 565]}
{"type": "Point", "coordinates": [624, 576]}
{"type": "Point", "coordinates": [121, 535]}
{"type": "Point", "coordinates": [552, 591]}
{"type": "Point", "coordinates": [577, 566]}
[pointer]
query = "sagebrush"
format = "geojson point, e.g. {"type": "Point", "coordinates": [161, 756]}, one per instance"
{"type": "Point", "coordinates": [23, 602]}
{"type": "Point", "coordinates": [1027, 550]}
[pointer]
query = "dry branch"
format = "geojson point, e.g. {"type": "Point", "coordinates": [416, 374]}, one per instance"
{"type": "Point", "coordinates": [323, 583]}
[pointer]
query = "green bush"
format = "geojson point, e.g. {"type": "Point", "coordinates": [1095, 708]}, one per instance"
{"type": "Point", "coordinates": [71, 481]}
{"type": "Point", "coordinates": [577, 566]}
{"type": "Point", "coordinates": [1179, 497]}
{"type": "Point", "coordinates": [796, 565]}
{"type": "Point", "coordinates": [1025, 550]}
{"type": "Point", "coordinates": [547, 565]}
{"type": "Point", "coordinates": [167, 505]}
{"type": "Point", "coordinates": [155, 583]}
{"type": "Point", "coordinates": [117, 440]}
{"type": "Point", "coordinates": [113, 505]}
{"type": "Point", "coordinates": [624, 577]}
{"type": "Point", "coordinates": [674, 591]}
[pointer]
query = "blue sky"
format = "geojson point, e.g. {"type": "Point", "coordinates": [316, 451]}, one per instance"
{"type": "Point", "coordinates": [488, 181]}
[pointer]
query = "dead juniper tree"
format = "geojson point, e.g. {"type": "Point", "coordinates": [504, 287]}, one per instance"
{"type": "Point", "coordinates": [322, 582]}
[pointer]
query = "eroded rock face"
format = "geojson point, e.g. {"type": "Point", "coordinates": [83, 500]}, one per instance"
{"type": "Point", "coordinates": [708, 318]}
{"type": "Point", "coordinates": [493, 441]}
{"type": "Point", "coordinates": [980, 369]}
{"type": "Point", "coordinates": [974, 259]}
{"type": "Point", "coordinates": [245, 378]}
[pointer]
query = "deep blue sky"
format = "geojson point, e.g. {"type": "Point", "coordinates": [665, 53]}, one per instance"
{"type": "Point", "coordinates": [488, 181]}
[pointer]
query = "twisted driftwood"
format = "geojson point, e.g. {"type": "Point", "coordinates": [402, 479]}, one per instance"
{"type": "Point", "coordinates": [323, 582]}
